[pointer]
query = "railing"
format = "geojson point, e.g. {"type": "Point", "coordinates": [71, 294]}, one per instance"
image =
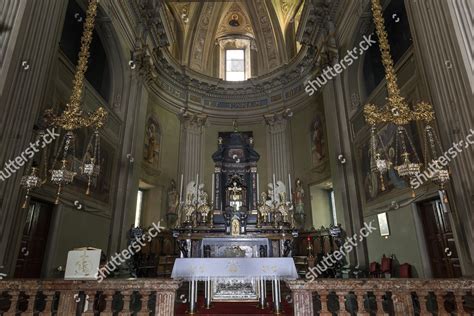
{"type": "Point", "coordinates": [110, 297]}
{"type": "Point", "coordinates": [326, 297]}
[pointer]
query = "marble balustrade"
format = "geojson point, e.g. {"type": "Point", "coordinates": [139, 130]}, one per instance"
{"type": "Point", "coordinates": [405, 297]}
{"type": "Point", "coordinates": [60, 297]}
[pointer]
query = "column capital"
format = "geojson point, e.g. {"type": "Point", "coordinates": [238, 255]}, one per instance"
{"type": "Point", "coordinates": [192, 120]}
{"type": "Point", "coordinates": [278, 118]}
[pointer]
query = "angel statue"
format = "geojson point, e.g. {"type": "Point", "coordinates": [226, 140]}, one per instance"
{"type": "Point", "coordinates": [191, 193]}
{"type": "Point", "coordinates": [263, 209]}
{"type": "Point", "coordinates": [276, 193]}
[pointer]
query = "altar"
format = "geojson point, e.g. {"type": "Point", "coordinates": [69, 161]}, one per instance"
{"type": "Point", "coordinates": [216, 272]}
{"type": "Point", "coordinates": [240, 241]}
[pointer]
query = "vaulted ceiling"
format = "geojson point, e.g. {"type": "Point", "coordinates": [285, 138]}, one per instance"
{"type": "Point", "coordinates": [198, 25]}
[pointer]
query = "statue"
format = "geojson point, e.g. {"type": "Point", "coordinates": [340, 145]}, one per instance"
{"type": "Point", "coordinates": [263, 208]}
{"type": "Point", "coordinates": [235, 227]}
{"type": "Point", "coordinates": [153, 147]}
{"type": "Point", "coordinates": [280, 191]}
{"type": "Point", "coordinates": [173, 198]}
{"type": "Point", "coordinates": [298, 196]}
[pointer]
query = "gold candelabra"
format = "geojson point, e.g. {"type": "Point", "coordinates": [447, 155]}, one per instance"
{"type": "Point", "coordinates": [398, 112]}
{"type": "Point", "coordinates": [72, 118]}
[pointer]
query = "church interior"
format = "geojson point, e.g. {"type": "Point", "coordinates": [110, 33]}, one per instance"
{"type": "Point", "coordinates": [236, 157]}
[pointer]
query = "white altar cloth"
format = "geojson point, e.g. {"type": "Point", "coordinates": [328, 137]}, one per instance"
{"type": "Point", "coordinates": [215, 269]}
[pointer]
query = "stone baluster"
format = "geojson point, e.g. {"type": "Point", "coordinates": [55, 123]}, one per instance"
{"type": "Point", "coordinates": [30, 297]}
{"type": "Point", "coordinates": [126, 297]}
{"type": "Point", "coordinates": [90, 298]}
{"type": "Point", "coordinates": [379, 299]}
{"type": "Point", "coordinates": [145, 298]}
{"type": "Point", "coordinates": [13, 304]}
{"type": "Point", "coordinates": [48, 303]}
{"type": "Point", "coordinates": [164, 303]}
{"type": "Point", "coordinates": [402, 303]}
{"type": "Point", "coordinates": [342, 304]}
{"type": "Point", "coordinates": [440, 295]}
{"type": "Point", "coordinates": [303, 303]}
{"type": "Point", "coordinates": [422, 298]}
{"type": "Point", "coordinates": [323, 296]}
{"type": "Point", "coordinates": [360, 303]}
{"type": "Point", "coordinates": [458, 297]}
{"type": "Point", "coordinates": [67, 303]}
{"type": "Point", "coordinates": [109, 309]}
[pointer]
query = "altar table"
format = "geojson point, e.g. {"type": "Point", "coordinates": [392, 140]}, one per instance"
{"type": "Point", "coordinates": [256, 270]}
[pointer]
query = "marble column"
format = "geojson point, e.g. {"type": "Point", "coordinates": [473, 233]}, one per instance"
{"type": "Point", "coordinates": [279, 147]}
{"type": "Point", "coordinates": [191, 148]}
{"type": "Point", "coordinates": [30, 37]}
{"type": "Point", "coordinates": [348, 204]}
{"type": "Point", "coordinates": [442, 37]}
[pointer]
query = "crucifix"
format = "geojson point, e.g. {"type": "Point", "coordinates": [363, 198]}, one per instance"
{"type": "Point", "coordinates": [235, 196]}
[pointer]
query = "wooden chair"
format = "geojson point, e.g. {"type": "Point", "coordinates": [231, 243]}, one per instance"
{"type": "Point", "coordinates": [386, 266]}
{"type": "Point", "coordinates": [405, 270]}
{"type": "Point", "coordinates": [374, 271]}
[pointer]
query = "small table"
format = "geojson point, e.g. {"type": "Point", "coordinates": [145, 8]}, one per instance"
{"type": "Point", "coordinates": [219, 269]}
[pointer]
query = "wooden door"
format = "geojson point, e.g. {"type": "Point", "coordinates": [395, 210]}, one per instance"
{"type": "Point", "coordinates": [440, 241]}
{"type": "Point", "coordinates": [34, 240]}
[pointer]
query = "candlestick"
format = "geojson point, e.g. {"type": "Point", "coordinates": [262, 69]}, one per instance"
{"type": "Point", "coordinates": [258, 187]}
{"type": "Point", "coordinates": [197, 188]}
{"type": "Point", "coordinates": [289, 188]}
{"type": "Point", "coordinates": [213, 188]}
{"type": "Point", "coordinates": [274, 187]}
{"type": "Point", "coordinates": [181, 190]}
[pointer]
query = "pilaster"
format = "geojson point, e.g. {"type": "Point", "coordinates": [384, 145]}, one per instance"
{"type": "Point", "coordinates": [192, 146]}
{"type": "Point", "coordinates": [32, 30]}
{"type": "Point", "coordinates": [348, 204]}
{"type": "Point", "coordinates": [278, 131]}
{"type": "Point", "coordinates": [442, 36]}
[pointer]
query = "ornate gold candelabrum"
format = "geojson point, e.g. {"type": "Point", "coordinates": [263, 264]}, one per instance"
{"type": "Point", "coordinates": [72, 118]}
{"type": "Point", "coordinates": [396, 111]}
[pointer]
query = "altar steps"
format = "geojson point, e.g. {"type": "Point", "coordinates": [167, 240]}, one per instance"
{"type": "Point", "coordinates": [233, 309]}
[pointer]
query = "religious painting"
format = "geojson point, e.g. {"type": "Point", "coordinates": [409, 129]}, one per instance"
{"type": "Point", "coordinates": [318, 142]}
{"type": "Point", "coordinates": [151, 150]}
{"type": "Point", "coordinates": [373, 182]}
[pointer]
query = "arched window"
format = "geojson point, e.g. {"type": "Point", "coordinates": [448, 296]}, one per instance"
{"type": "Point", "coordinates": [98, 71]}
{"type": "Point", "coordinates": [234, 64]}
{"type": "Point", "coordinates": [235, 58]}
{"type": "Point", "coordinates": [399, 37]}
